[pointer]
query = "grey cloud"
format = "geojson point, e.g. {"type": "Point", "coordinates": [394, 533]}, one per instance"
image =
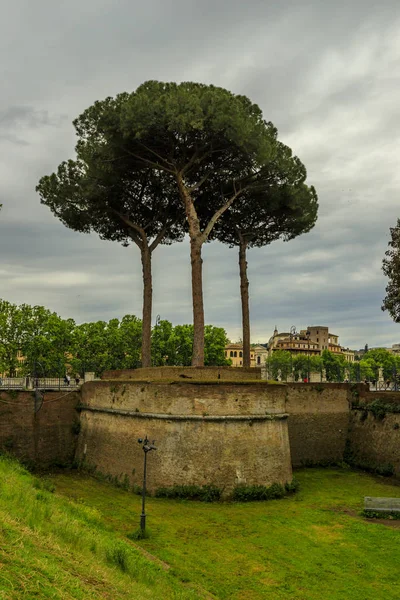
{"type": "Point", "coordinates": [324, 73]}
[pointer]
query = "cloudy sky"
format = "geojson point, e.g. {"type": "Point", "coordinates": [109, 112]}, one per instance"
{"type": "Point", "coordinates": [327, 74]}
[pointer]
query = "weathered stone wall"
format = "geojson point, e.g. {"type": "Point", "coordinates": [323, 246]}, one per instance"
{"type": "Point", "coordinates": [176, 373]}
{"type": "Point", "coordinates": [222, 433]}
{"type": "Point", "coordinates": [375, 442]}
{"type": "Point", "coordinates": [46, 437]}
{"type": "Point", "coordinates": [318, 422]}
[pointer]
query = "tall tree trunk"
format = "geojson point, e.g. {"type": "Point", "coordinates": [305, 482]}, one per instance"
{"type": "Point", "coordinates": [244, 294]}
{"type": "Point", "coordinates": [198, 307]}
{"type": "Point", "coordinates": [147, 305]}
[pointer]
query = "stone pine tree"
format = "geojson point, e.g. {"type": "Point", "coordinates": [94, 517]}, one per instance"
{"type": "Point", "coordinates": [101, 192]}
{"type": "Point", "coordinates": [191, 132]}
{"type": "Point", "coordinates": [281, 206]}
{"type": "Point", "coordinates": [391, 268]}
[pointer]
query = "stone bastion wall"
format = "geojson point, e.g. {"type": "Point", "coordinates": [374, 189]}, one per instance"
{"type": "Point", "coordinates": [223, 433]}
{"type": "Point", "coordinates": [40, 432]}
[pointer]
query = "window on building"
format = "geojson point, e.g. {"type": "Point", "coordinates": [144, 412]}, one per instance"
{"type": "Point", "coordinates": [231, 354]}
{"type": "Point", "coordinates": [317, 332]}
{"type": "Point", "coordinates": [317, 340]}
{"type": "Point", "coordinates": [240, 362]}
{"type": "Point", "coordinates": [226, 354]}
{"type": "Point", "coordinates": [235, 354]}
{"type": "Point", "coordinates": [258, 360]}
{"type": "Point", "coordinates": [240, 354]}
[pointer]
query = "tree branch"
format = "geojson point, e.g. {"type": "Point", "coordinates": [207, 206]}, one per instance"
{"type": "Point", "coordinates": [158, 239]}
{"type": "Point", "coordinates": [218, 214]}
{"type": "Point", "coordinates": [136, 228]}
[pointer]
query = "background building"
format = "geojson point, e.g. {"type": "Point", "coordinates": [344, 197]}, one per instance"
{"type": "Point", "coordinates": [234, 352]}
{"type": "Point", "coordinates": [309, 342]}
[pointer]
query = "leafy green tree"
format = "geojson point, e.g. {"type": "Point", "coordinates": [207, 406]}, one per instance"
{"type": "Point", "coordinates": [193, 133]}
{"type": "Point", "coordinates": [101, 346]}
{"type": "Point", "coordinates": [101, 192]}
{"type": "Point", "coordinates": [280, 205]}
{"type": "Point", "coordinates": [279, 363]}
{"type": "Point", "coordinates": [305, 365]}
{"type": "Point", "coordinates": [13, 334]}
{"type": "Point", "coordinates": [174, 345]}
{"type": "Point", "coordinates": [49, 342]}
{"type": "Point", "coordinates": [391, 268]}
{"type": "Point", "coordinates": [33, 339]}
{"type": "Point", "coordinates": [334, 365]}
{"type": "Point", "coordinates": [380, 358]}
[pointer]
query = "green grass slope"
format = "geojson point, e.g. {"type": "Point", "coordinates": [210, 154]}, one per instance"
{"type": "Point", "coordinates": [311, 546]}
{"type": "Point", "coordinates": [54, 547]}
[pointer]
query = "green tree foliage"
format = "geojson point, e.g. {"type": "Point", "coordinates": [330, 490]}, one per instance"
{"type": "Point", "coordinates": [278, 205]}
{"type": "Point", "coordinates": [280, 363]}
{"type": "Point", "coordinates": [35, 334]}
{"type": "Point", "coordinates": [101, 192]}
{"type": "Point", "coordinates": [334, 365]}
{"type": "Point", "coordinates": [194, 134]}
{"type": "Point", "coordinates": [391, 268]}
{"type": "Point", "coordinates": [304, 365]}
{"type": "Point", "coordinates": [102, 346]}
{"type": "Point", "coordinates": [173, 346]}
{"type": "Point", "coordinates": [51, 346]}
{"type": "Point", "coordinates": [376, 359]}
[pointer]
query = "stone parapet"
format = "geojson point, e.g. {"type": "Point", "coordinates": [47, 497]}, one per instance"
{"type": "Point", "coordinates": [194, 373]}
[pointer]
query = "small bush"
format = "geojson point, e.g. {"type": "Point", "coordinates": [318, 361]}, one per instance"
{"type": "Point", "coordinates": [250, 493]}
{"type": "Point", "coordinates": [386, 470]}
{"type": "Point", "coordinates": [203, 493]}
{"type": "Point", "coordinates": [375, 514]}
{"type": "Point", "coordinates": [293, 486]}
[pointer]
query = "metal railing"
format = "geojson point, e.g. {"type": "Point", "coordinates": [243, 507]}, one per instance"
{"type": "Point", "coordinates": [378, 379]}
{"type": "Point", "coordinates": [42, 383]}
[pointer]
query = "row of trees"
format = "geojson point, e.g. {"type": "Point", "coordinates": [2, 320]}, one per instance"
{"type": "Point", "coordinates": [34, 338]}
{"type": "Point", "coordinates": [336, 367]}
{"type": "Point", "coordinates": [173, 159]}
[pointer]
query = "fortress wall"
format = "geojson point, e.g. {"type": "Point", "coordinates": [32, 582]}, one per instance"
{"type": "Point", "coordinates": [197, 373]}
{"type": "Point", "coordinates": [46, 437]}
{"type": "Point", "coordinates": [375, 442]}
{"type": "Point", "coordinates": [318, 422]}
{"type": "Point", "coordinates": [220, 433]}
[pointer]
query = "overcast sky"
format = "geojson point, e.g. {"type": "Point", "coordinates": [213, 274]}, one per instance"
{"type": "Point", "coordinates": [327, 74]}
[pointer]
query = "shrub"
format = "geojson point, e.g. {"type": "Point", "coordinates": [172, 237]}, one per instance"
{"type": "Point", "coordinates": [203, 493]}
{"type": "Point", "coordinates": [386, 470]}
{"type": "Point", "coordinates": [250, 493]}
{"type": "Point", "coordinates": [375, 514]}
{"type": "Point", "coordinates": [293, 486]}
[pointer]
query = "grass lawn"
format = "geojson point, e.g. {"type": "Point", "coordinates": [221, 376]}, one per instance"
{"type": "Point", "coordinates": [310, 546]}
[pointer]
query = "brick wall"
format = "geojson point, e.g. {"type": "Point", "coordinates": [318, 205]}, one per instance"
{"type": "Point", "coordinates": [45, 437]}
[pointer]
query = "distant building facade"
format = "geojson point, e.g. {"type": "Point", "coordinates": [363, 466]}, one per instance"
{"type": "Point", "coordinates": [309, 342]}
{"type": "Point", "coordinates": [234, 352]}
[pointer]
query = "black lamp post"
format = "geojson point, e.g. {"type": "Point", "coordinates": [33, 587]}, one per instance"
{"type": "Point", "coordinates": [147, 446]}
